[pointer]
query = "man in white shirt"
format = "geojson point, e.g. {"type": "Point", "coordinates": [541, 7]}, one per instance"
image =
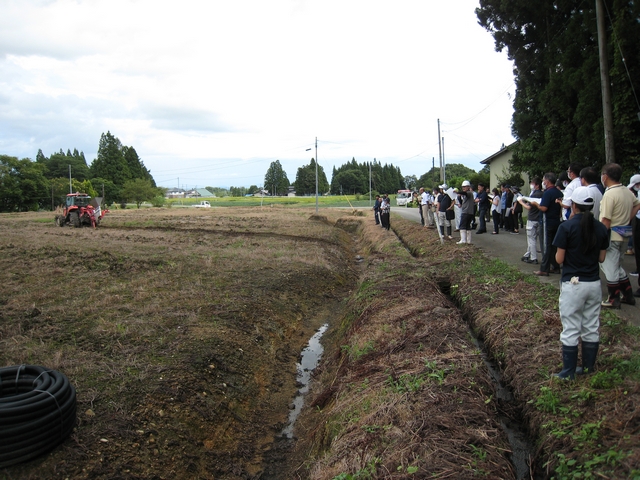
{"type": "Point", "coordinates": [590, 178]}
{"type": "Point", "coordinates": [574, 174]}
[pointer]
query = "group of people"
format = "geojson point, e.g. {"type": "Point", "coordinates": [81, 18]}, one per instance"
{"type": "Point", "coordinates": [382, 211]}
{"type": "Point", "coordinates": [585, 221]}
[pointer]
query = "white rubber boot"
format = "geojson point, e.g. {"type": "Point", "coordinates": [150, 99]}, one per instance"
{"type": "Point", "coordinates": [463, 237]}
{"type": "Point", "coordinates": [469, 237]}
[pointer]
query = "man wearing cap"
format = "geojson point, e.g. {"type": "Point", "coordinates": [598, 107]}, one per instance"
{"type": "Point", "coordinates": [634, 188]}
{"type": "Point", "coordinates": [617, 208]}
{"type": "Point", "coordinates": [581, 243]}
{"type": "Point", "coordinates": [550, 208]}
{"type": "Point", "coordinates": [467, 208]}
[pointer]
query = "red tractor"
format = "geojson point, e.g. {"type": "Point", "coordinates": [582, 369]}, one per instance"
{"type": "Point", "coordinates": [81, 210]}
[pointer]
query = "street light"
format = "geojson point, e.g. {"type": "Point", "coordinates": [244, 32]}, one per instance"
{"type": "Point", "coordinates": [316, 172]}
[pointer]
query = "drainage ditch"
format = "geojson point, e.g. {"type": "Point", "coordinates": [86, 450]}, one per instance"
{"type": "Point", "coordinates": [309, 359]}
{"type": "Point", "coordinates": [508, 411]}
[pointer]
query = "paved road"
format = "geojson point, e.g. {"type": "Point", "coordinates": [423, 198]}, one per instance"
{"type": "Point", "coordinates": [510, 248]}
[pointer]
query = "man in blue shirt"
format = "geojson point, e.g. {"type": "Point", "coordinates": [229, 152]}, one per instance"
{"type": "Point", "coordinates": [551, 209]}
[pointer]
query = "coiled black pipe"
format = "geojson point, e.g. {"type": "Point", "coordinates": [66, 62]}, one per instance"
{"type": "Point", "coordinates": [37, 412]}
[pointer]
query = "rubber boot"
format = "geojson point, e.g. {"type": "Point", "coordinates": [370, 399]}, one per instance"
{"type": "Point", "coordinates": [569, 363]}
{"type": "Point", "coordinates": [589, 354]}
{"type": "Point", "coordinates": [449, 232]}
{"type": "Point", "coordinates": [469, 237]}
{"type": "Point", "coordinates": [627, 292]}
{"type": "Point", "coordinates": [441, 230]}
{"type": "Point", "coordinates": [614, 296]}
{"type": "Point", "coordinates": [463, 237]}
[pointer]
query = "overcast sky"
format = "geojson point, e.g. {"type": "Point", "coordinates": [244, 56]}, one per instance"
{"type": "Point", "coordinates": [212, 92]}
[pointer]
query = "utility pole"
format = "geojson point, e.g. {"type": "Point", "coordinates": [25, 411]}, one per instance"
{"type": "Point", "coordinates": [70, 186]}
{"type": "Point", "coordinates": [444, 164]}
{"type": "Point", "coordinates": [440, 152]}
{"type": "Point", "coordinates": [605, 84]}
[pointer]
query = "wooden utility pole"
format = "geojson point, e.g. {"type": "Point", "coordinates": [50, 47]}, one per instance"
{"type": "Point", "coordinates": [440, 152]}
{"type": "Point", "coordinates": [607, 112]}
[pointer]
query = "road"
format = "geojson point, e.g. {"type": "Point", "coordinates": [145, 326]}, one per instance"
{"type": "Point", "coordinates": [510, 248]}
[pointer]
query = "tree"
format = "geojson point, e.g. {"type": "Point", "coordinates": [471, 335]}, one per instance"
{"type": "Point", "coordinates": [110, 162]}
{"type": "Point", "coordinates": [57, 165]}
{"type": "Point", "coordinates": [139, 190]}
{"type": "Point", "coordinates": [349, 181]}
{"type": "Point", "coordinates": [411, 182]}
{"type": "Point", "coordinates": [23, 185]}
{"type": "Point", "coordinates": [275, 180]}
{"type": "Point", "coordinates": [305, 183]}
{"type": "Point", "coordinates": [558, 108]}
{"type": "Point", "coordinates": [136, 165]}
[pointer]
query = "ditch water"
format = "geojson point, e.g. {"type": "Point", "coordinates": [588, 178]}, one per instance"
{"type": "Point", "coordinates": [522, 449]}
{"type": "Point", "coordinates": [309, 359]}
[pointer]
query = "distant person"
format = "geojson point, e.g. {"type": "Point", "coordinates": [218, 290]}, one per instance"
{"type": "Point", "coordinates": [634, 187]}
{"type": "Point", "coordinates": [445, 204]}
{"type": "Point", "coordinates": [581, 243]}
{"type": "Point", "coordinates": [533, 222]}
{"type": "Point", "coordinates": [376, 209]}
{"type": "Point", "coordinates": [385, 213]}
{"type": "Point", "coordinates": [467, 208]}
{"type": "Point", "coordinates": [617, 208]}
{"type": "Point", "coordinates": [550, 208]}
{"type": "Point", "coordinates": [422, 201]}
{"type": "Point", "coordinates": [495, 211]}
{"type": "Point", "coordinates": [574, 176]}
{"type": "Point", "coordinates": [482, 200]}
{"type": "Point", "coordinates": [589, 177]}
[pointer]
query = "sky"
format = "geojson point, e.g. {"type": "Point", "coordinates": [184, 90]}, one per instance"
{"type": "Point", "coordinates": [211, 93]}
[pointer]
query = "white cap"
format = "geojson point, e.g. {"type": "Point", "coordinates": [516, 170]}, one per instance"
{"type": "Point", "coordinates": [466, 183]}
{"type": "Point", "coordinates": [635, 179]}
{"type": "Point", "coordinates": [582, 196]}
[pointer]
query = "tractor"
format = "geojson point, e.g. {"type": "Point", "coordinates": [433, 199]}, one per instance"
{"type": "Point", "coordinates": [80, 210]}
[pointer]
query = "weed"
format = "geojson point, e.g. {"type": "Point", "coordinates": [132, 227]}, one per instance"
{"type": "Point", "coordinates": [363, 474]}
{"type": "Point", "coordinates": [405, 383]}
{"type": "Point", "coordinates": [605, 380]}
{"type": "Point", "coordinates": [588, 433]}
{"type": "Point", "coordinates": [355, 352]}
{"type": "Point", "coordinates": [586, 467]}
{"type": "Point", "coordinates": [548, 401]}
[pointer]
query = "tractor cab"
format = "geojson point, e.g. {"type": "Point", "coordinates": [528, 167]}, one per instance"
{"type": "Point", "coordinates": [78, 200]}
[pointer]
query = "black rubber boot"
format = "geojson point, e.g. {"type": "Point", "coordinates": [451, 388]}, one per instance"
{"type": "Point", "coordinates": [613, 301]}
{"type": "Point", "coordinates": [449, 231]}
{"type": "Point", "coordinates": [569, 363]}
{"type": "Point", "coordinates": [627, 292]}
{"type": "Point", "coordinates": [441, 230]}
{"type": "Point", "coordinates": [589, 354]}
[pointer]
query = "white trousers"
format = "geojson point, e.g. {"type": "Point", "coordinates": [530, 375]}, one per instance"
{"type": "Point", "coordinates": [579, 307]}
{"type": "Point", "coordinates": [612, 265]}
{"type": "Point", "coordinates": [532, 238]}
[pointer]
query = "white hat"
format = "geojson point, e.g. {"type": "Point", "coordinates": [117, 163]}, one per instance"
{"type": "Point", "coordinates": [582, 196]}
{"type": "Point", "coordinates": [635, 179]}
{"type": "Point", "coordinates": [466, 183]}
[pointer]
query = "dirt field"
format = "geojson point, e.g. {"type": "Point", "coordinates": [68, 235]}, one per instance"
{"type": "Point", "coordinates": [181, 330]}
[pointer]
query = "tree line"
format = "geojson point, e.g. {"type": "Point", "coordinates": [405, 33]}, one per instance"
{"type": "Point", "coordinates": [117, 173]}
{"type": "Point", "coordinates": [558, 115]}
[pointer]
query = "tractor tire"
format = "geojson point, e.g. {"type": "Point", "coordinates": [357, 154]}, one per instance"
{"type": "Point", "coordinates": [74, 218]}
{"type": "Point", "coordinates": [59, 221]}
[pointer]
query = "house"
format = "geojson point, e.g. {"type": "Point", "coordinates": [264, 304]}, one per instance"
{"type": "Point", "coordinates": [500, 167]}
{"type": "Point", "coordinates": [204, 193]}
{"type": "Point", "coordinates": [175, 193]}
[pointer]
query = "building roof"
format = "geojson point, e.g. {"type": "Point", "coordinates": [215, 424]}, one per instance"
{"type": "Point", "coordinates": [203, 192]}
{"type": "Point", "coordinates": [500, 152]}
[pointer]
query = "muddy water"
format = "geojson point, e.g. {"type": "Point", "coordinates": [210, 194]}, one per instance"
{"type": "Point", "coordinates": [309, 359]}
